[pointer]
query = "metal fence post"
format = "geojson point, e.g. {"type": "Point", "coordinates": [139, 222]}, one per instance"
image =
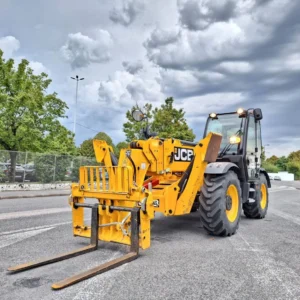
{"type": "Point", "coordinates": [24, 173]}
{"type": "Point", "coordinates": [54, 168]}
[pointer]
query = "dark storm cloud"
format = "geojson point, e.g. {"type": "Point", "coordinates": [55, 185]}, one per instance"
{"type": "Point", "coordinates": [197, 15]}
{"type": "Point", "coordinates": [254, 53]}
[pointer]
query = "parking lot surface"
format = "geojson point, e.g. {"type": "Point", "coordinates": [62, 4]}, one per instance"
{"type": "Point", "coordinates": [261, 261]}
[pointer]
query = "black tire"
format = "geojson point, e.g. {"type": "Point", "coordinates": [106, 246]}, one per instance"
{"type": "Point", "coordinates": [214, 203]}
{"type": "Point", "coordinates": [259, 208]}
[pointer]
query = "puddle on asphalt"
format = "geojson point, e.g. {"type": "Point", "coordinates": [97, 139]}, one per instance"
{"type": "Point", "coordinates": [31, 283]}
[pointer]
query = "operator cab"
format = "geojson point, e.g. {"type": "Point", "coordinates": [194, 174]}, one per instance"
{"type": "Point", "coordinates": [241, 140]}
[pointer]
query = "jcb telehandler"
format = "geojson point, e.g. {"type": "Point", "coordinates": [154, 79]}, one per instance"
{"type": "Point", "coordinates": [220, 175]}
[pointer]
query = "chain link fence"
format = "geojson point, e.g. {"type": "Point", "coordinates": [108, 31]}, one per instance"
{"type": "Point", "coordinates": [41, 168]}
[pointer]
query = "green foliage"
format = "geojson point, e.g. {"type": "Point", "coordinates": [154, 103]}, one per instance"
{"type": "Point", "coordinates": [269, 167]}
{"type": "Point", "coordinates": [105, 137]}
{"type": "Point", "coordinates": [120, 146]}
{"type": "Point", "coordinates": [272, 160]}
{"type": "Point", "coordinates": [170, 122]}
{"type": "Point", "coordinates": [294, 156]}
{"type": "Point", "coordinates": [29, 116]}
{"type": "Point", "coordinates": [133, 129]}
{"type": "Point", "coordinates": [86, 148]}
{"type": "Point", "coordinates": [44, 168]}
{"type": "Point", "coordinates": [166, 121]}
{"type": "Point", "coordinates": [49, 168]}
{"type": "Point", "coordinates": [294, 167]}
{"type": "Point", "coordinates": [282, 163]}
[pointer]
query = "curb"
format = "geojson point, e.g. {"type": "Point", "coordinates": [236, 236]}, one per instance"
{"type": "Point", "coordinates": [33, 196]}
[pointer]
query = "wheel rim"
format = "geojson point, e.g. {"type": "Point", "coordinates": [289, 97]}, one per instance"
{"type": "Point", "coordinates": [263, 201]}
{"type": "Point", "coordinates": [232, 210]}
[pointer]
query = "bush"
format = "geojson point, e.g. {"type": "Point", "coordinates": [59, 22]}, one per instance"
{"type": "Point", "coordinates": [44, 168]}
{"type": "Point", "coordinates": [50, 168]}
{"type": "Point", "coordinates": [294, 167]}
{"type": "Point", "coordinates": [270, 168]}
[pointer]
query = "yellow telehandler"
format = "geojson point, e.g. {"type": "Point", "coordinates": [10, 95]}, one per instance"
{"type": "Point", "coordinates": [220, 175]}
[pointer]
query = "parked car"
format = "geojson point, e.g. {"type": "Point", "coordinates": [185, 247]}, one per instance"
{"type": "Point", "coordinates": [30, 174]}
{"type": "Point", "coordinates": [19, 172]}
{"type": "Point", "coordinates": [3, 175]}
{"type": "Point", "coordinates": [277, 178]}
{"type": "Point", "coordinates": [271, 177]}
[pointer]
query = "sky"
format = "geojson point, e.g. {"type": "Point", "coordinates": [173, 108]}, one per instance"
{"type": "Point", "coordinates": [209, 55]}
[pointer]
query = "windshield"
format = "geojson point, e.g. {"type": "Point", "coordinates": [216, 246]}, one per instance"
{"type": "Point", "coordinates": [227, 125]}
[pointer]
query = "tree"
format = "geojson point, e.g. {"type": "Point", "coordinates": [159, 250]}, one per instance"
{"type": "Point", "coordinates": [272, 160]}
{"type": "Point", "coordinates": [133, 129]}
{"type": "Point", "coordinates": [282, 163]}
{"type": "Point", "coordinates": [294, 167]}
{"type": "Point", "coordinates": [29, 116]}
{"type": "Point", "coordinates": [86, 148]}
{"type": "Point", "coordinates": [294, 156]}
{"type": "Point", "coordinates": [168, 122]}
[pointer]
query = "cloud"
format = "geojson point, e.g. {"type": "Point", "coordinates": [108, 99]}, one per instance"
{"type": "Point", "coordinates": [235, 66]}
{"type": "Point", "coordinates": [38, 68]}
{"type": "Point", "coordinates": [198, 15]}
{"type": "Point", "coordinates": [125, 90]}
{"type": "Point", "coordinates": [241, 36]}
{"type": "Point", "coordinates": [126, 11]}
{"type": "Point", "coordinates": [81, 50]}
{"type": "Point", "coordinates": [113, 97]}
{"type": "Point", "coordinates": [133, 67]}
{"type": "Point", "coordinates": [9, 45]}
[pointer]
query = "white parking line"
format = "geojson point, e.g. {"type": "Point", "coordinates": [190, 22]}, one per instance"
{"type": "Point", "coordinates": [265, 268]}
{"type": "Point", "coordinates": [284, 215]}
{"type": "Point", "coordinates": [33, 228]}
{"type": "Point", "coordinates": [31, 213]}
{"type": "Point", "coordinates": [7, 240]}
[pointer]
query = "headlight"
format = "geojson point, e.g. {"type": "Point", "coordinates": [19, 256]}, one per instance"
{"type": "Point", "coordinates": [234, 139]}
{"type": "Point", "coordinates": [240, 111]}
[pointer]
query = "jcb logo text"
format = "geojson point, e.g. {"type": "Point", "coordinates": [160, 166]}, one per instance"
{"type": "Point", "coordinates": [183, 154]}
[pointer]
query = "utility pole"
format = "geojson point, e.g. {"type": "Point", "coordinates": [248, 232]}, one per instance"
{"type": "Point", "coordinates": [76, 95]}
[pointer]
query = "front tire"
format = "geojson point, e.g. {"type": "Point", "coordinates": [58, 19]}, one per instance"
{"type": "Point", "coordinates": [258, 209]}
{"type": "Point", "coordinates": [220, 204]}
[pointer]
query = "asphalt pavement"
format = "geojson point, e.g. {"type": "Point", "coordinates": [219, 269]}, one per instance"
{"type": "Point", "coordinates": [260, 262]}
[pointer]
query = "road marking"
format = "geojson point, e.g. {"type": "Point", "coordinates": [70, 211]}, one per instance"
{"type": "Point", "coordinates": [33, 228]}
{"type": "Point", "coordinates": [284, 215]}
{"type": "Point", "coordinates": [7, 240]}
{"type": "Point", "coordinates": [32, 213]}
{"type": "Point", "coordinates": [264, 268]}
{"type": "Point", "coordinates": [282, 190]}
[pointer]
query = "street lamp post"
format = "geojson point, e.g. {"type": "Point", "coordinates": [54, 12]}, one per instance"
{"type": "Point", "coordinates": [75, 113]}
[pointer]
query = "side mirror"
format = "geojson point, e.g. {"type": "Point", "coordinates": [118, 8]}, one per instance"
{"type": "Point", "coordinates": [257, 114]}
{"type": "Point", "coordinates": [138, 115]}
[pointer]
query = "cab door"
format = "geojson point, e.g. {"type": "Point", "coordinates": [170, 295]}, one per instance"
{"type": "Point", "coordinates": [253, 149]}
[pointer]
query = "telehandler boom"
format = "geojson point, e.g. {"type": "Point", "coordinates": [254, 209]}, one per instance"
{"type": "Point", "coordinates": [220, 175]}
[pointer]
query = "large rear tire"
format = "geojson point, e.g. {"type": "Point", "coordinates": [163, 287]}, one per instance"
{"type": "Point", "coordinates": [220, 204]}
{"type": "Point", "coordinates": [258, 209]}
